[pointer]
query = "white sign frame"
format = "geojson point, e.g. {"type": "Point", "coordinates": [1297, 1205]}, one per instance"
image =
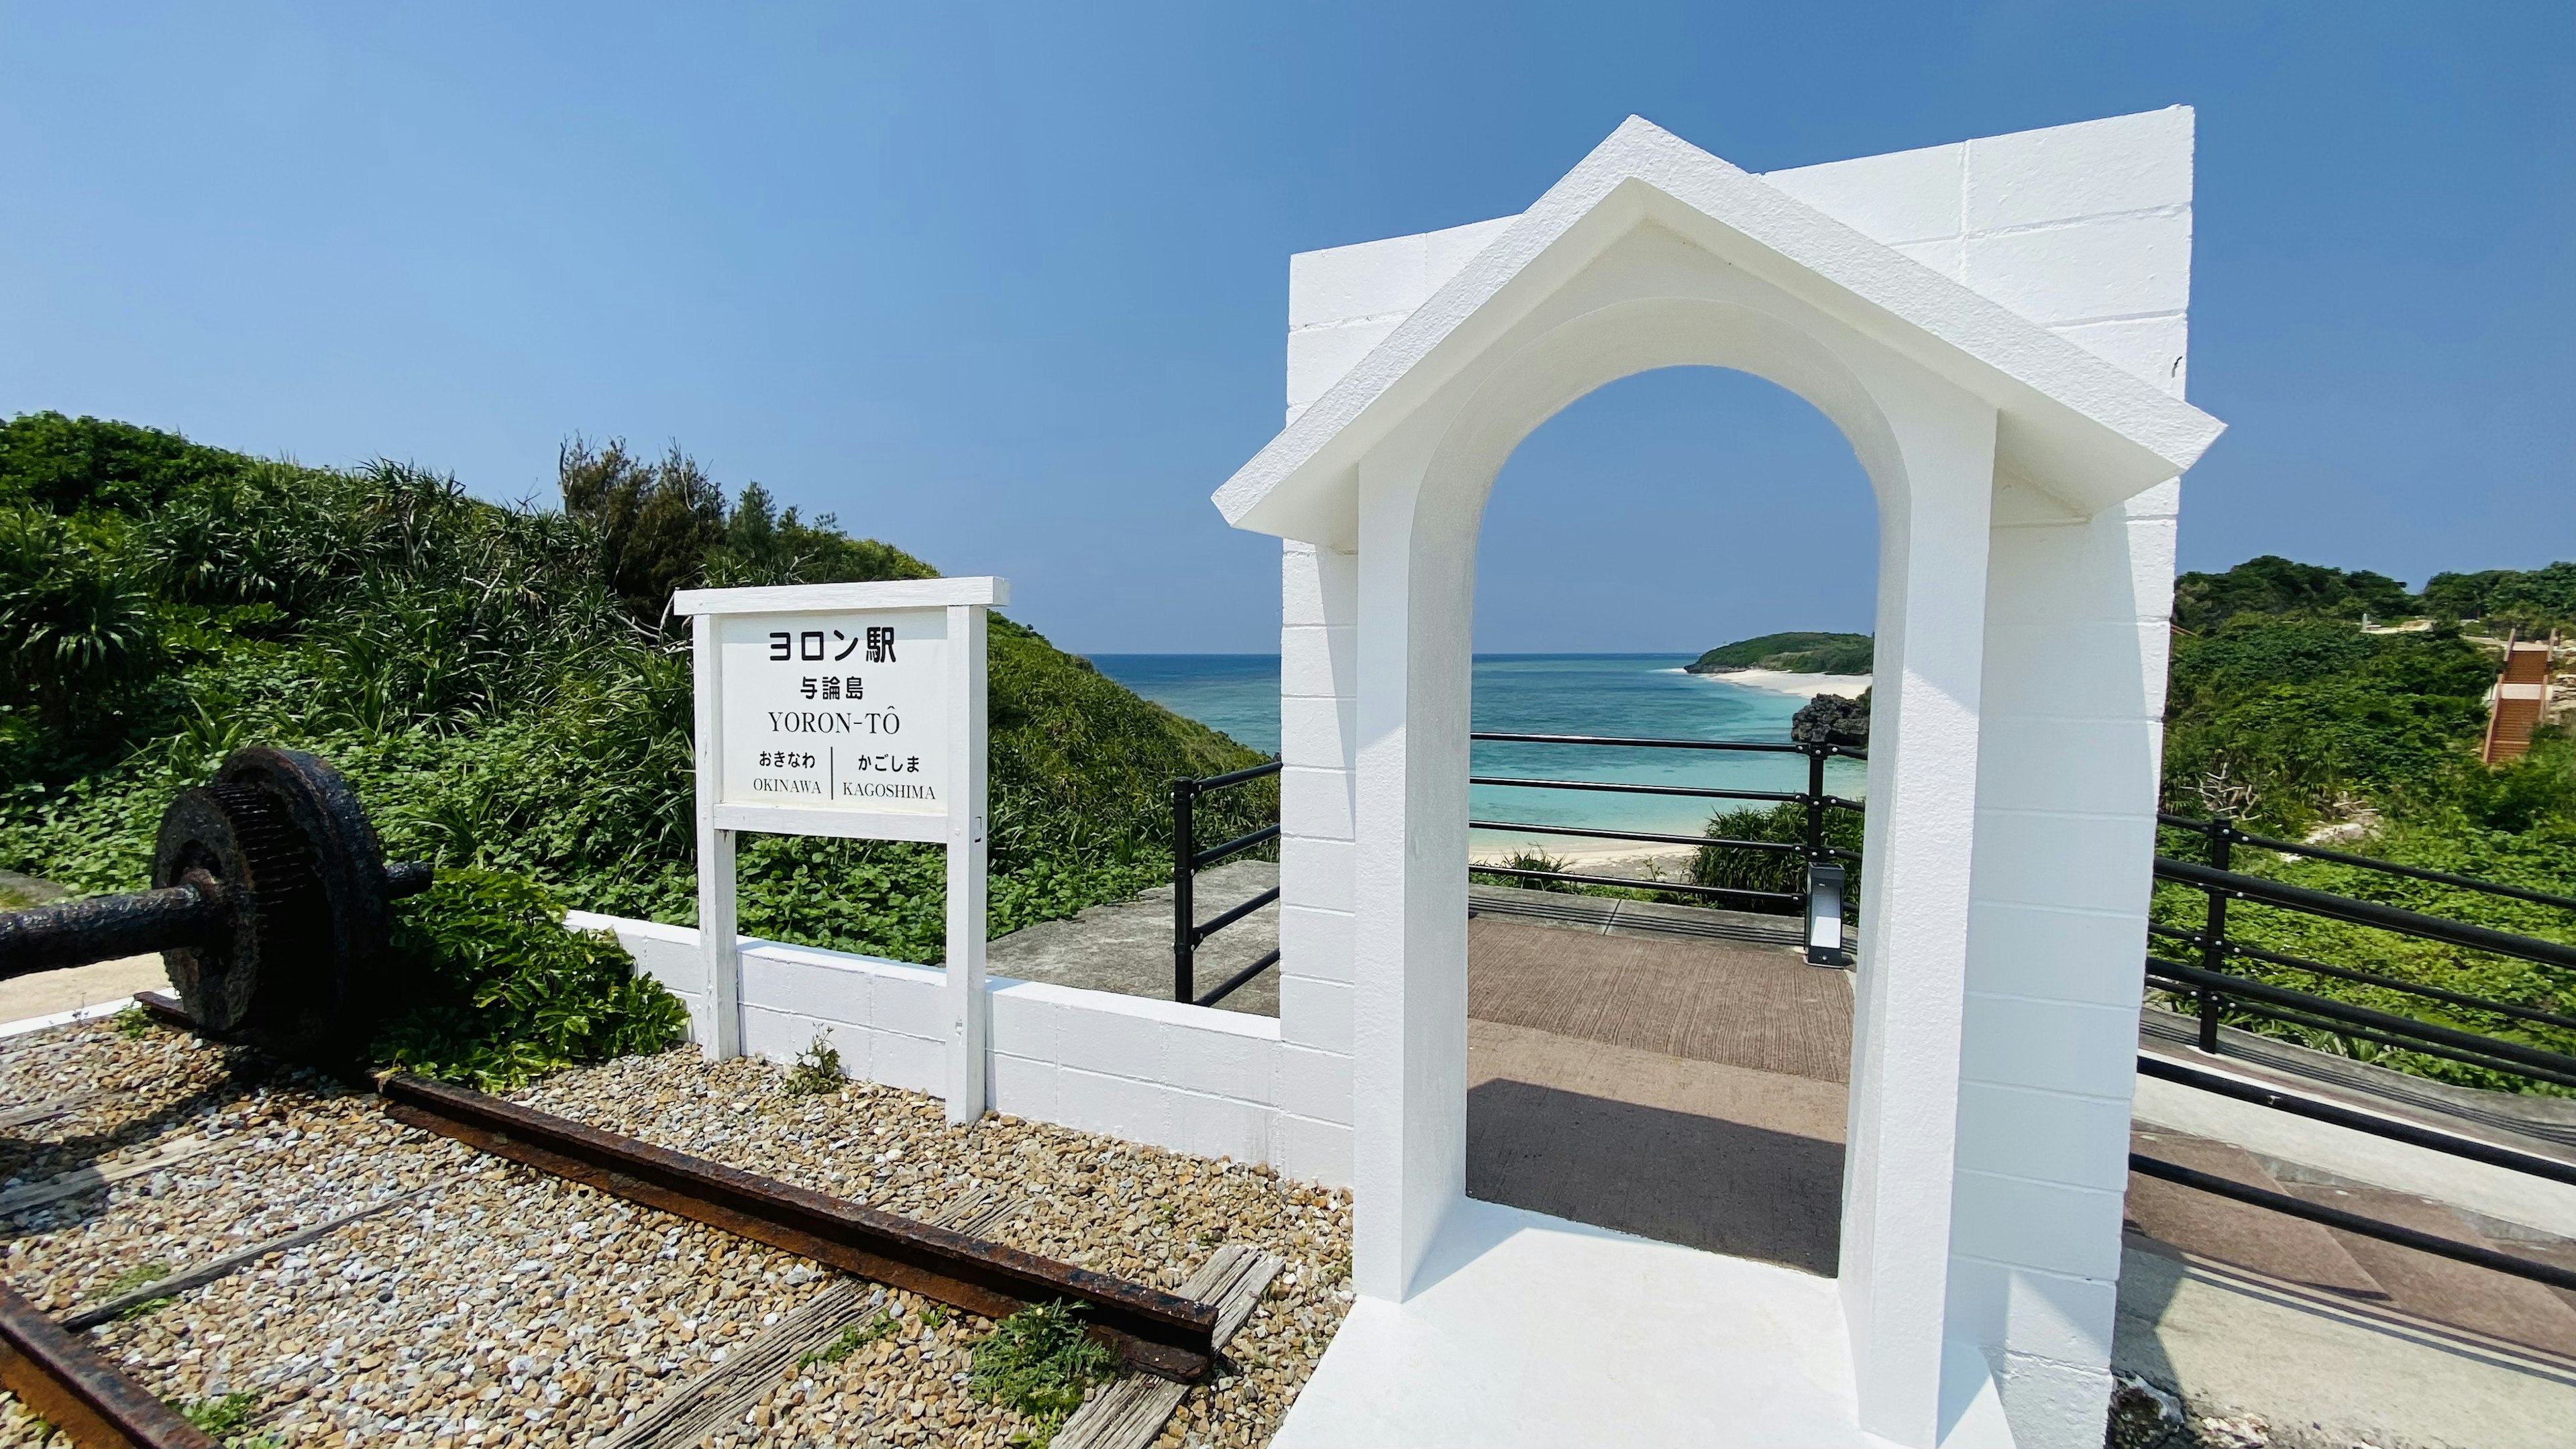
{"type": "Point", "coordinates": [960, 827]}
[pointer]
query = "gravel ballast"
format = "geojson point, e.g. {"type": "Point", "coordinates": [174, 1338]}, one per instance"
{"type": "Point", "coordinates": [501, 1307]}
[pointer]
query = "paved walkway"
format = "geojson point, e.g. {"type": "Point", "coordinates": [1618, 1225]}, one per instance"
{"type": "Point", "coordinates": [1685, 1090]}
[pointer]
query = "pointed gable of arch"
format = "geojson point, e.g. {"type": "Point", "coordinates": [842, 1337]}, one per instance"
{"type": "Point", "coordinates": [2073, 426]}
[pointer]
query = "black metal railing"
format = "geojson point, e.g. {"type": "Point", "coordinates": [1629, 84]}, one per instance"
{"type": "Point", "coordinates": [2393, 1129]}
{"type": "Point", "coordinates": [2215, 990]}
{"type": "Point", "coordinates": [1188, 931]}
{"type": "Point", "coordinates": [1823, 872]}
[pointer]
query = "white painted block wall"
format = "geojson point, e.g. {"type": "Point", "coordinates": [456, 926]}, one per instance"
{"type": "Point", "coordinates": [1186, 1078]}
{"type": "Point", "coordinates": [1318, 717]}
{"type": "Point", "coordinates": [1341, 303]}
{"type": "Point", "coordinates": [2085, 229]}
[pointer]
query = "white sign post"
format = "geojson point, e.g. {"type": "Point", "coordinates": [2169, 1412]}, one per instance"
{"type": "Point", "coordinates": [854, 710]}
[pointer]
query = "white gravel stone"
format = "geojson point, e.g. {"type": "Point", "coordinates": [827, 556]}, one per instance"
{"type": "Point", "coordinates": [508, 1308]}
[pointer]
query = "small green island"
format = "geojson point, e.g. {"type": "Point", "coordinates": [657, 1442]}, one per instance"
{"type": "Point", "coordinates": [1797, 652]}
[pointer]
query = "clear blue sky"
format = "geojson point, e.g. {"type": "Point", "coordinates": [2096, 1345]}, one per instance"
{"type": "Point", "coordinates": [1006, 286]}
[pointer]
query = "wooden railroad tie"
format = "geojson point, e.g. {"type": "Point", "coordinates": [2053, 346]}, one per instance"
{"type": "Point", "coordinates": [1131, 1412]}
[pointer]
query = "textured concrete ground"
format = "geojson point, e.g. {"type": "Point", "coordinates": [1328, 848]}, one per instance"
{"type": "Point", "coordinates": [1126, 946]}
{"type": "Point", "coordinates": [24, 998]}
{"type": "Point", "coordinates": [2308, 1370]}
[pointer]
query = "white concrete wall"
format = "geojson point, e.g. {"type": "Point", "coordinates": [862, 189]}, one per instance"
{"type": "Point", "coordinates": [1187, 1078]}
{"type": "Point", "coordinates": [2084, 229]}
{"type": "Point", "coordinates": [1345, 300]}
{"type": "Point", "coordinates": [1318, 700]}
{"type": "Point", "coordinates": [1654, 299]}
{"type": "Point", "coordinates": [2076, 645]}
{"type": "Point", "coordinates": [1341, 302]}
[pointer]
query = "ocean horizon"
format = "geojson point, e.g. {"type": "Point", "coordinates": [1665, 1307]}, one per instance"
{"type": "Point", "coordinates": [1637, 696]}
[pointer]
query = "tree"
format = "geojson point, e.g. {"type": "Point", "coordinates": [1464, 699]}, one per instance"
{"type": "Point", "coordinates": [2275, 585]}
{"type": "Point", "coordinates": [656, 521]}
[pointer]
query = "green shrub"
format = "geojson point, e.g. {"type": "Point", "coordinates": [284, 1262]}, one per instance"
{"type": "Point", "coordinates": [491, 988]}
{"type": "Point", "coordinates": [850, 1340]}
{"type": "Point", "coordinates": [1793, 653]}
{"type": "Point", "coordinates": [817, 1072]}
{"type": "Point", "coordinates": [1039, 1363]}
{"type": "Point", "coordinates": [1532, 858]}
{"type": "Point", "coordinates": [222, 1418]}
{"type": "Point", "coordinates": [2542, 858]}
{"type": "Point", "coordinates": [1769, 870]}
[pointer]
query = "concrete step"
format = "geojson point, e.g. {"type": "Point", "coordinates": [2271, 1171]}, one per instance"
{"type": "Point", "coordinates": [2233, 1232]}
{"type": "Point", "coordinates": [2462, 1294]}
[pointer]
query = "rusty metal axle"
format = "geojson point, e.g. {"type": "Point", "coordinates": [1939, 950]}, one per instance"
{"type": "Point", "coordinates": [271, 905]}
{"type": "Point", "coordinates": [102, 928]}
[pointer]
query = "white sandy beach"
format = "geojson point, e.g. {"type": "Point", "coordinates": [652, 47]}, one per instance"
{"type": "Point", "coordinates": [1807, 686]}
{"type": "Point", "coordinates": [1601, 857]}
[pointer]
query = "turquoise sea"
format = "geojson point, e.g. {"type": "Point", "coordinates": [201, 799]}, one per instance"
{"type": "Point", "coordinates": [1635, 695]}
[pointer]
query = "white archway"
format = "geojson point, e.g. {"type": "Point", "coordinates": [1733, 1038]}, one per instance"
{"type": "Point", "coordinates": [2016, 477]}
{"type": "Point", "coordinates": [1928, 449]}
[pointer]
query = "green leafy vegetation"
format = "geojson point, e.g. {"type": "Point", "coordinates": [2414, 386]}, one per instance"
{"type": "Point", "coordinates": [2285, 714]}
{"type": "Point", "coordinates": [2281, 710]}
{"type": "Point", "coordinates": [1790, 653]}
{"type": "Point", "coordinates": [2299, 720]}
{"type": "Point", "coordinates": [2532, 600]}
{"type": "Point", "coordinates": [222, 1418]}
{"type": "Point", "coordinates": [817, 1072]}
{"type": "Point", "coordinates": [1039, 1364]}
{"type": "Point", "coordinates": [2540, 859]}
{"type": "Point", "coordinates": [1531, 858]}
{"type": "Point", "coordinates": [504, 690]}
{"type": "Point", "coordinates": [1768, 870]}
{"type": "Point", "coordinates": [491, 989]}
{"type": "Point", "coordinates": [850, 1340]}
{"type": "Point", "coordinates": [2275, 586]}
{"type": "Point", "coordinates": [142, 1275]}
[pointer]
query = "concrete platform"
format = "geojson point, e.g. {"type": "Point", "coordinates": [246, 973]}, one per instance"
{"type": "Point", "coordinates": [1126, 946]}
{"type": "Point", "coordinates": [46, 993]}
{"type": "Point", "coordinates": [1534, 1331]}
{"type": "Point", "coordinates": [1682, 1081]}
{"type": "Point", "coordinates": [2322, 1373]}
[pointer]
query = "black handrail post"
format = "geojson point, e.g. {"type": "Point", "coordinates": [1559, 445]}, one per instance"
{"type": "Point", "coordinates": [1185, 849]}
{"type": "Point", "coordinates": [1815, 803]}
{"type": "Point", "coordinates": [2213, 946]}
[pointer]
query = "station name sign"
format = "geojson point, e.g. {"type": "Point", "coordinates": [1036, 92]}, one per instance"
{"type": "Point", "coordinates": [842, 709]}
{"type": "Point", "coordinates": [837, 711]}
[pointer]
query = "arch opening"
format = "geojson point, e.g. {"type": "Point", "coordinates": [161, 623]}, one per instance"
{"type": "Point", "coordinates": [1657, 1058]}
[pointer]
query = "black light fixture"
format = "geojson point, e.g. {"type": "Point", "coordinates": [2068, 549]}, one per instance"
{"type": "Point", "coordinates": [1825, 915]}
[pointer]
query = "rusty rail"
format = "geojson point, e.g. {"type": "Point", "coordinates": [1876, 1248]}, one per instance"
{"type": "Point", "coordinates": [76, 1391]}
{"type": "Point", "coordinates": [1159, 1333]}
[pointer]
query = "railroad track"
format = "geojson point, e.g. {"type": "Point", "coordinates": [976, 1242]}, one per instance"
{"type": "Point", "coordinates": [1165, 1341]}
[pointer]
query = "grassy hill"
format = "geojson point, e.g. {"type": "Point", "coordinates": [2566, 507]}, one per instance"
{"type": "Point", "coordinates": [499, 683]}
{"type": "Point", "coordinates": [1790, 653]}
